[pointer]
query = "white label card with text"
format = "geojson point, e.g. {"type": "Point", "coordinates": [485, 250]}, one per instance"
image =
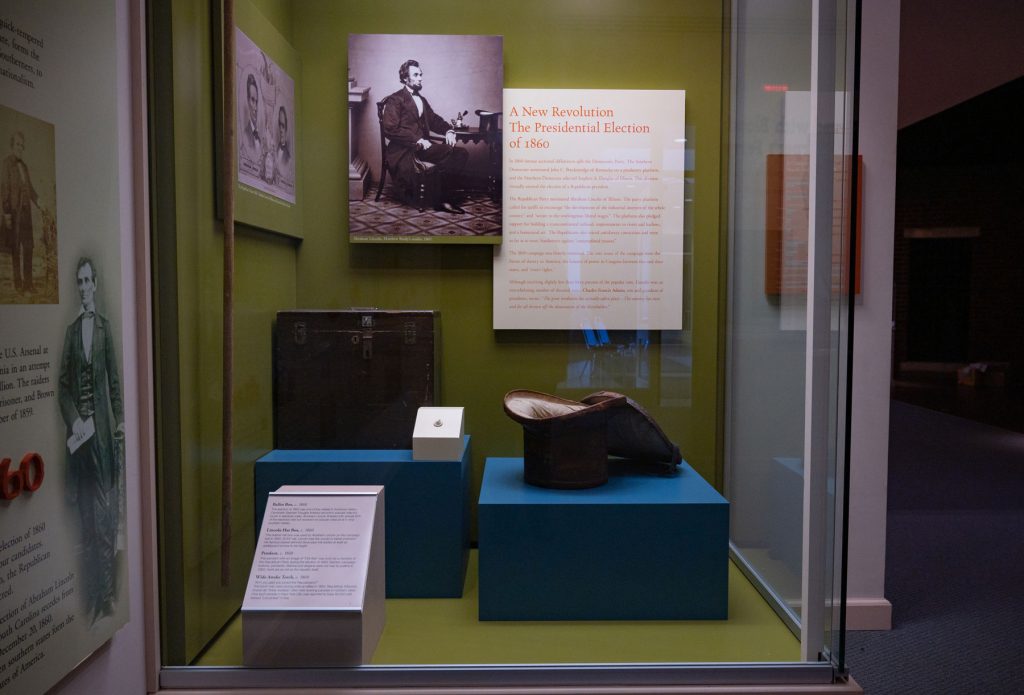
{"type": "Point", "coordinates": [312, 553]}
{"type": "Point", "coordinates": [593, 210]}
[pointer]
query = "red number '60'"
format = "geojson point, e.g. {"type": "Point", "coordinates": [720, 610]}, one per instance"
{"type": "Point", "coordinates": [28, 476]}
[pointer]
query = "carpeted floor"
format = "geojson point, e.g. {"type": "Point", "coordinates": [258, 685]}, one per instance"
{"type": "Point", "coordinates": [954, 561]}
{"type": "Point", "coordinates": [389, 217]}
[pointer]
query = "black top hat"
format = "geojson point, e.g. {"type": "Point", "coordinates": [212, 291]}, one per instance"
{"type": "Point", "coordinates": [566, 443]}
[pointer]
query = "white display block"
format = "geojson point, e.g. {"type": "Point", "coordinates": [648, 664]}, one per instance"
{"type": "Point", "coordinates": [437, 435]}
{"type": "Point", "coordinates": [315, 595]}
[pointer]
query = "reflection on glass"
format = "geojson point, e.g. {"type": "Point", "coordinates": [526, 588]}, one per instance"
{"type": "Point", "coordinates": [776, 154]}
{"type": "Point", "coordinates": [616, 360]}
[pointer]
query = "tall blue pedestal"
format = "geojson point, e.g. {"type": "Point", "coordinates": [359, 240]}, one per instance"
{"type": "Point", "coordinates": [426, 509]}
{"type": "Point", "coordinates": [640, 547]}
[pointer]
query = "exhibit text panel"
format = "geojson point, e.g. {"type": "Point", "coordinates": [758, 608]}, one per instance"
{"type": "Point", "coordinates": [593, 210]}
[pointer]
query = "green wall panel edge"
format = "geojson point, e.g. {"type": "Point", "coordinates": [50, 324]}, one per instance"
{"type": "Point", "coordinates": [724, 184]}
{"type": "Point", "coordinates": [189, 246]}
{"type": "Point", "coordinates": [165, 303]}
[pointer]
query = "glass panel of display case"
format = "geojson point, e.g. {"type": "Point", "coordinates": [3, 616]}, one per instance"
{"type": "Point", "coordinates": [790, 289]}
{"type": "Point", "coordinates": [724, 383]}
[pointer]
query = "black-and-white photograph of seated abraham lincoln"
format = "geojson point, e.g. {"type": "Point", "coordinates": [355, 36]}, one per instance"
{"type": "Point", "coordinates": [426, 134]}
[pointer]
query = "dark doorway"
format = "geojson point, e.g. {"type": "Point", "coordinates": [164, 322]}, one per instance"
{"type": "Point", "coordinates": [938, 319]}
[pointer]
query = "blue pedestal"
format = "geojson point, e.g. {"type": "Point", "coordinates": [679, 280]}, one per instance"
{"type": "Point", "coordinates": [641, 547]}
{"type": "Point", "coordinates": [426, 509]}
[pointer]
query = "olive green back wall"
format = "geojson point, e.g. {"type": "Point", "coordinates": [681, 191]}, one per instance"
{"type": "Point", "coordinates": [645, 44]}
{"type": "Point", "coordinates": [609, 44]}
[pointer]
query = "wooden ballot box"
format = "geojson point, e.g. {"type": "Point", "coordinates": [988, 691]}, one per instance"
{"type": "Point", "coordinates": [352, 379]}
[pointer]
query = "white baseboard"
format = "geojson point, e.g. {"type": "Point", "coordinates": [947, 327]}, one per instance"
{"type": "Point", "coordinates": [868, 614]}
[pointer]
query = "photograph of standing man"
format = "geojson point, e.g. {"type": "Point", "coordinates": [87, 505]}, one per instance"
{"type": "Point", "coordinates": [93, 412]}
{"type": "Point", "coordinates": [407, 122]}
{"type": "Point", "coordinates": [250, 143]}
{"type": "Point", "coordinates": [18, 197]}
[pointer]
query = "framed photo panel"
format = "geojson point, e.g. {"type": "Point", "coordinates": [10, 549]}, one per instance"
{"type": "Point", "coordinates": [267, 72]}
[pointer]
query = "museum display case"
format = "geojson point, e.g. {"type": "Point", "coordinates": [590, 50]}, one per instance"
{"type": "Point", "coordinates": [620, 249]}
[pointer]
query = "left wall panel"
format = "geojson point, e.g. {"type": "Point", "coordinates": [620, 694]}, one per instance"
{"type": "Point", "coordinates": [119, 666]}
